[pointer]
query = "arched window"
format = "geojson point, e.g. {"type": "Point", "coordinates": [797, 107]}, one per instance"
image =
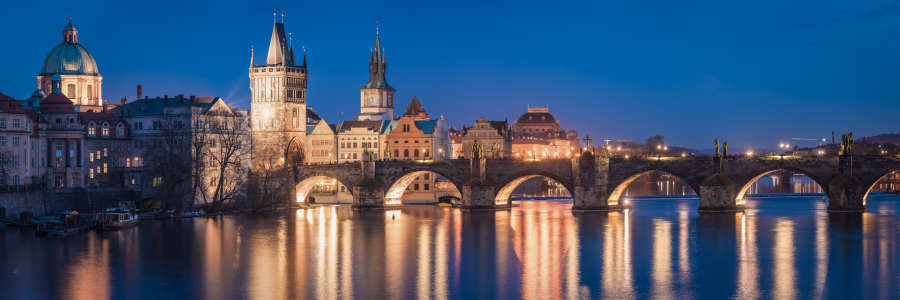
{"type": "Point", "coordinates": [396, 153]}
{"type": "Point", "coordinates": [406, 153]}
{"type": "Point", "coordinates": [70, 91]}
{"type": "Point", "coordinates": [105, 129]}
{"type": "Point", "coordinates": [90, 92]}
{"type": "Point", "coordinates": [416, 153]}
{"type": "Point", "coordinates": [91, 130]}
{"type": "Point", "coordinates": [426, 153]}
{"type": "Point", "coordinates": [58, 181]}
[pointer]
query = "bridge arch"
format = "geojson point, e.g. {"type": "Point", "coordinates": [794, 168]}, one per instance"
{"type": "Point", "coordinates": [616, 195]}
{"type": "Point", "coordinates": [397, 186]}
{"type": "Point", "coordinates": [869, 186]}
{"type": "Point", "coordinates": [306, 182]}
{"type": "Point", "coordinates": [745, 184]}
{"type": "Point", "coordinates": [509, 184]}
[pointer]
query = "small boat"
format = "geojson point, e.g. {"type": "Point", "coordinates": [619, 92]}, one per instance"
{"type": "Point", "coordinates": [64, 223]}
{"type": "Point", "coordinates": [120, 217]}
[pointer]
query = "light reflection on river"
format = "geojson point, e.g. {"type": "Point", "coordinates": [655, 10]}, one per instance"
{"type": "Point", "coordinates": [781, 247]}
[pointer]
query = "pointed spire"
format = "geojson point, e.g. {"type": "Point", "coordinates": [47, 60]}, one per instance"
{"type": "Point", "coordinates": [251, 57]}
{"type": "Point", "coordinates": [277, 45]}
{"type": "Point", "coordinates": [377, 65]}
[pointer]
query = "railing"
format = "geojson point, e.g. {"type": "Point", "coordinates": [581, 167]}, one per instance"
{"type": "Point", "coordinates": [21, 187]}
{"type": "Point", "coordinates": [65, 169]}
{"type": "Point", "coordinates": [67, 126]}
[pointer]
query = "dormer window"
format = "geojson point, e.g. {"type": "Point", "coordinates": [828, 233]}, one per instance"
{"type": "Point", "coordinates": [58, 107]}
{"type": "Point", "coordinates": [58, 120]}
{"type": "Point", "coordinates": [105, 130]}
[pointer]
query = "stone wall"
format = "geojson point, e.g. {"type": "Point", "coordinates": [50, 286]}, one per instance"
{"type": "Point", "coordinates": [53, 201]}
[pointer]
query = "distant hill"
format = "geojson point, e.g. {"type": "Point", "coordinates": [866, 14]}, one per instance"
{"type": "Point", "coordinates": [893, 138]}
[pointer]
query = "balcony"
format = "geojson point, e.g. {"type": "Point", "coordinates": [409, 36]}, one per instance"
{"type": "Point", "coordinates": [64, 169]}
{"type": "Point", "coordinates": [66, 127]}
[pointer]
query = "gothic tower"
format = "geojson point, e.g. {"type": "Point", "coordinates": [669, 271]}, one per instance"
{"type": "Point", "coordinates": [278, 107]}
{"type": "Point", "coordinates": [377, 96]}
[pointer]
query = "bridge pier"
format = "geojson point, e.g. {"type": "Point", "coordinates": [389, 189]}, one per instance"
{"type": "Point", "coordinates": [369, 191]}
{"type": "Point", "coordinates": [478, 193]}
{"type": "Point", "coordinates": [718, 193]}
{"type": "Point", "coordinates": [845, 193]}
{"type": "Point", "coordinates": [594, 198]}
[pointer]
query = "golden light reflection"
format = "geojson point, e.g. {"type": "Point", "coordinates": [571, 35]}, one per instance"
{"type": "Point", "coordinates": [268, 265]}
{"type": "Point", "coordinates": [748, 259]}
{"type": "Point", "coordinates": [618, 280]}
{"type": "Point", "coordinates": [395, 255]}
{"type": "Point", "coordinates": [88, 276]}
{"type": "Point", "coordinates": [662, 259]}
{"type": "Point", "coordinates": [784, 275]}
{"type": "Point", "coordinates": [821, 257]}
{"type": "Point", "coordinates": [684, 251]}
{"type": "Point", "coordinates": [540, 237]}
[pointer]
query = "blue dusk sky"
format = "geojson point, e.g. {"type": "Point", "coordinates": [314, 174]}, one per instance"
{"type": "Point", "coordinates": [757, 74]}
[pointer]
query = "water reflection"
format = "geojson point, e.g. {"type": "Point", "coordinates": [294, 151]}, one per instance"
{"type": "Point", "coordinates": [537, 250]}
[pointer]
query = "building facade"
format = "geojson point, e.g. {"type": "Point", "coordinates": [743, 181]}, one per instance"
{"type": "Point", "coordinates": [537, 134]}
{"type": "Point", "coordinates": [490, 134]}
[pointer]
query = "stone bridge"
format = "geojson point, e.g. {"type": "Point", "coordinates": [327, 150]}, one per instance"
{"type": "Point", "coordinates": [599, 183]}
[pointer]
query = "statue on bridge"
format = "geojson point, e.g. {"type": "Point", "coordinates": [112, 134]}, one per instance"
{"type": "Point", "coordinates": [496, 152]}
{"type": "Point", "coordinates": [725, 148]}
{"type": "Point", "coordinates": [388, 155]}
{"type": "Point", "coordinates": [717, 146]}
{"type": "Point", "coordinates": [477, 150]}
{"type": "Point", "coordinates": [846, 144]}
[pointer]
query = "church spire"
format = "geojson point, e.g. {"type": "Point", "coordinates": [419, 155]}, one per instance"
{"type": "Point", "coordinates": [377, 66]}
{"type": "Point", "coordinates": [251, 57]}
{"type": "Point", "coordinates": [277, 46]}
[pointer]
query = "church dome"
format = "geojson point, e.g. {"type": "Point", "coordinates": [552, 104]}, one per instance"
{"type": "Point", "coordinates": [69, 27]}
{"type": "Point", "coordinates": [572, 134]}
{"type": "Point", "coordinates": [69, 59]}
{"type": "Point", "coordinates": [536, 117]}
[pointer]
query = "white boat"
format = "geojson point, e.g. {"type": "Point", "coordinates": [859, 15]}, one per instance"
{"type": "Point", "coordinates": [119, 217]}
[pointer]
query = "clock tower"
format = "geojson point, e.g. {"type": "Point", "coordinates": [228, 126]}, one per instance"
{"type": "Point", "coordinates": [377, 96]}
{"type": "Point", "coordinates": [278, 104]}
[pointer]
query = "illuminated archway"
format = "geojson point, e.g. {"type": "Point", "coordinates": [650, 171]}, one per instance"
{"type": "Point", "coordinates": [306, 186]}
{"type": "Point", "coordinates": [394, 194]}
{"type": "Point", "coordinates": [616, 196]}
{"type": "Point", "coordinates": [506, 189]}
{"type": "Point", "coordinates": [872, 186]}
{"type": "Point", "coordinates": [746, 186]}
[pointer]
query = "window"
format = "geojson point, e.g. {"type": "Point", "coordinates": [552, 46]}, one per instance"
{"type": "Point", "coordinates": [15, 123]}
{"type": "Point", "coordinates": [416, 187]}
{"type": "Point", "coordinates": [354, 155]}
{"type": "Point", "coordinates": [158, 125]}
{"type": "Point", "coordinates": [426, 176]}
{"type": "Point", "coordinates": [58, 147]}
{"type": "Point", "coordinates": [32, 162]}
{"type": "Point", "coordinates": [139, 143]}
{"type": "Point", "coordinates": [105, 154]}
{"type": "Point", "coordinates": [58, 162]}
{"type": "Point", "coordinates": [92, 158]}
{"type": "Point", "coordinates": [43, 162]}
{"type": "Point", "coordinates": [16, 180]}
{"type": "Point", "coordinates": [274, 123]}
{"type": "Point", "coordinates": [426, 186]}
{"type": "Point", "coordinates": [15, 141]}
{"type": "Point", "coordinates": [120, 131]}
{"type": "Point", "coordinates": [416, 153]}
{"type": "Point", "coordinates": [105, 168]}
{"type": "Point", "coordinates": [2, 141]}
{"type": "Point", "coordinates": [43, 145]}
{"type": "Point", "coordinates": [58, 181]}
{"type": "Point", "coordinates": [396, 153]}
{"type": "Point", "coordinates": [105, 129]}
{"type": "Point", "coordinates": [92, 131]}
{"type": "Point", "coordinates": [405, 152]}
{"type": "Point", "coordinates": [138, 125]}
{"type": "Point", "coordinates": [426, 153]}
{"type": "Point", "coordinates": [15, 160]}
{"type": "Point", "coordinates": [157, 181]}
{"type": "Point", "coordinates": [3, 122]}
{"type": "Point", "coordinates": [138, 162]}
{"type": "Point", "coordinates": [354, 144]}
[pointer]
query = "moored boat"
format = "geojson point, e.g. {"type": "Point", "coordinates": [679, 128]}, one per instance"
{"type": "Point", "coordinates": [120, 217]}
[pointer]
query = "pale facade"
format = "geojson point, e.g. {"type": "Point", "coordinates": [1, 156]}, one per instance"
{"type": "Point", "coordinates": [488, 134]}
{"type": "Point", "coordinates": [354, 137]}
{"type": "Point", "coordinates": [321, 143]}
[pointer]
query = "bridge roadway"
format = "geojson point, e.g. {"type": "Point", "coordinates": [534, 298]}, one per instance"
{"type": "Point", "coordinates": [598, 183]}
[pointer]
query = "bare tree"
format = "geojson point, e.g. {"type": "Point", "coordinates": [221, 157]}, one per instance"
{"type": "Point", "coordinates": [227, 155]}
{"type": "Point", "coordinates": [652, 143]}
{"type": "Point", "coordinates": [168, 161]}
{"type": "Point", "coordinates": [270, 179]}
{"type": "Point", "coordinates": [6, 166]}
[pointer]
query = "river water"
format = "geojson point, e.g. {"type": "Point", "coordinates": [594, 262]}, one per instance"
{"type": "Point", "coordinates": [781, 247]}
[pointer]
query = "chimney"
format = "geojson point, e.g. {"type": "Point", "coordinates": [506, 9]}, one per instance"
{"type": "Point", "coordinates": [180, 98]}
{"type": "Point", "coordinates": [165, 98]}
{"type": "Point", "coordinates": [104, 106]}
{"type": "Point", "coordinates": [192, 98]}
{"type": "Point", "coordinates": [139, 91]}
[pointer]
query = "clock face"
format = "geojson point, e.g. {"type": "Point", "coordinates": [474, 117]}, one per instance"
{"type": "Point", "coordinates": [373, 100]}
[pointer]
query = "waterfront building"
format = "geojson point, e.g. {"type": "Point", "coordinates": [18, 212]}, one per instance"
{"type": "Point", "coordinates": [488, 133]}
{"type": "Point", "coordinates": [278, 101]}
{"type": "Point", "coordinates": [415, 136]}
{"type": "Point", "coordinates": [321, 142]}
{"type": "Point", "coordinates": [356, 136]}
{"type": "Point", "coordinates": [456, 140]}
{"type": "Point", "coordinates": [81, 80]}
{"type": "Point", "coordinates": [537, 134]}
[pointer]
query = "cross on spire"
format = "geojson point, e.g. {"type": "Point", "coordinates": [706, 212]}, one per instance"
{"type": "Point", "coordinates": [607, 141]}
{"type": "Point", "coordinates": [587, 140]}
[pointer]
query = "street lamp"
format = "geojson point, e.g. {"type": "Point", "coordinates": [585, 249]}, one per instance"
{"type": "Point", "coordinates": [329, 158]}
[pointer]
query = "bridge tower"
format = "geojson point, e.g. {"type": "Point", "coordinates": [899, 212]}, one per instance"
{"type": "Point", "coordinates": [278, 102]}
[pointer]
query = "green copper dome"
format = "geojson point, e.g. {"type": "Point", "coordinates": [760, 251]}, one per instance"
{"type": "Point", "coordinates": [69, 59]}
{"type": "Point", "coordinates": [69, 27]}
